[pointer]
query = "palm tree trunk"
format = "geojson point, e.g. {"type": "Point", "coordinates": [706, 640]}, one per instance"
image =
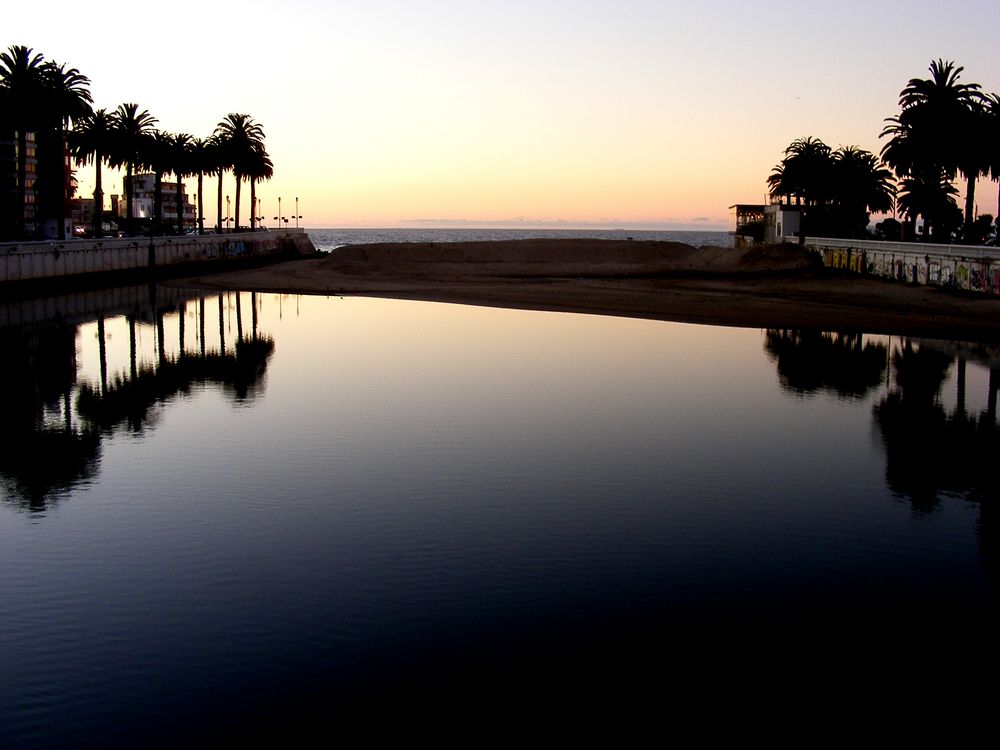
{"type": "Point", "coordinates": [201, 206]}
{"type": "Point", "coordinates": [237, 216]}
{"type": "Point", "coordinates": [98, 197]}
{"type": "Point", "coordinates": [158, 204]}
{"type": "Point", "coordinates": [129, 195]}
{"type": "Point", "coordinates": [253, 204]}
{"type": "Point", "coordinates": [970, 206]}
{"type": "Point", "coordinates": [60, 207]}
{"type": "Point", "coordinates": [218, 221]}
{"type": "Point", "coordinates": [22, 176]}
{"type": "Point", "coordinates": [180, 205]}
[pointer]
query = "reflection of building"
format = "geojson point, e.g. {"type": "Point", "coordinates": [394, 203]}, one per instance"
{"type": "Point", "coordinates": [757, 222]}
{"type": "Point", "coordinates": [10, 211]}
{"type": "Point", "coordinates": [143, 201]}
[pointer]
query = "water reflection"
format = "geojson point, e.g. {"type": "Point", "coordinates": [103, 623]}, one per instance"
{"type": "Point", "coordinates": [50, 439]}
{"type": "Point", "coordinates": [42, 450]}
{"type": "Point", "coordinates": [931, 450]}
{"type": "Point", "coordinates": [847, 365]}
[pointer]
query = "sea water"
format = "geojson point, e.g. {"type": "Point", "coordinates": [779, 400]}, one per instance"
{"type": "Point", "coordinates": [224, 516]}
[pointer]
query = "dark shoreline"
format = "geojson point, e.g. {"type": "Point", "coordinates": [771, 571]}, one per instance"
{"type": "Point", "coordinates": [769, 287]}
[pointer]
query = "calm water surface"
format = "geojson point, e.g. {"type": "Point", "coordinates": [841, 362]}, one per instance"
{"type": "Point", "coordinates": [255, 513]}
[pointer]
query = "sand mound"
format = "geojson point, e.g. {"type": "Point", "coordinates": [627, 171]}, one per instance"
{"type": "Point", "coordinates": [560, 257]}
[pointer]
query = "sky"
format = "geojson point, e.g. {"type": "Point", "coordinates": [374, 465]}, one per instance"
{"type": "Point", "coordinates": [629, 114]}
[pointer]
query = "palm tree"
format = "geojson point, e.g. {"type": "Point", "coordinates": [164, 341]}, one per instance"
{"type": "Point", "coordinates": [157, 155]}
{"type": "Point", "coordinates": [66, 100]}
{"type": "Point", "coordinates": [932, 134]}
{"type": "Point", "coordinates": [201, 163]}
{"type": "Point", "coordinates": [240, 136]}
{"type": "Point", "coordinates": [21, 79]}
{"type": "Point", "coordinates": [180, 159]}
{"type": "Point", "coordinates": [933, 198]}
{"type": "Point", "coordinates": [221, 161]}
{"type": "Point", "coordinates": [860, 185]}
{"type": "Point", "coordinates": [804, 173]}
{"type": "Point", "coordinates": [130, 129]}
{"type": "Point", "coordinates": [257, 167]}
{"type": "Point", "coordinates": [992, 144]}
{"type": "Point", "coordinates": [91, 140]}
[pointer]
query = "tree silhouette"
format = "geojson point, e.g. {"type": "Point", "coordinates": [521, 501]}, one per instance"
{"type": "Point", "coordinates": [131, 128]}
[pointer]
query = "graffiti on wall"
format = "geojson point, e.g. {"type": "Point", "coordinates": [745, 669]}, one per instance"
{"type": "Point", "coordinates": [972, 274]}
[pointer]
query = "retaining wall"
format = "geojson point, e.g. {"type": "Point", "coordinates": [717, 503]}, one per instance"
{"type": "Point", "coordinates": [33, 261]}
{"type": "Point", "coordinates": [972, 268]}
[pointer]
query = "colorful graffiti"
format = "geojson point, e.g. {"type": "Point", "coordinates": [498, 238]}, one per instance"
{"type": "Point", "coordinates": [919, 267]}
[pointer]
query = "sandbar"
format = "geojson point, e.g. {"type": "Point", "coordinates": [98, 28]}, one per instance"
{"type": "Point", "coordinates": [768, 286]}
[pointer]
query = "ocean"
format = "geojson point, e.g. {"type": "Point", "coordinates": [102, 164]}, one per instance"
{"type": "Point", "coordinates": [331, 238]}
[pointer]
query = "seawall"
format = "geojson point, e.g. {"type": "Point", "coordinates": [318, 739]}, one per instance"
{"type": "Point", "coordinates": [68, 260]}
{"type": "Point", "coordinates": [970, 268]}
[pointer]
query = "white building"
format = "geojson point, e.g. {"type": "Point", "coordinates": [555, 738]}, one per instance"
{"type": "Point", "coordinates": [144, 197]}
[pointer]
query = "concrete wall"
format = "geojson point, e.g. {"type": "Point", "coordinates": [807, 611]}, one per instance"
{"type": "Point", "coordinates": [30, 261]}
{"type": "Point", "coordinates": [975, 269]}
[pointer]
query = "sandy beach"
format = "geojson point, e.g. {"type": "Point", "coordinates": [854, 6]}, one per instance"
{"type": "Point", "coordinates": [780, 286]}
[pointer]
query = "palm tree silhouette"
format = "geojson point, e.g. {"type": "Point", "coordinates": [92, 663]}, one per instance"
{"type": "Point", "coordinates": [991, 107]}
{"type": "Point", "coordinates": [934, 134]}
{"type": "Point", "coordinates": [180, 161]}
{"type": "Point", "coordinates": [130, 130]}
{"type": "Point", "coordinates": [220, 159]}
{"type": "Point", "coordinates": [257, 167]}
{"type": "Point", "coordinates": [21, 79]}
{"type": "Point", "coordinates": [860, 184]}
{"type": "Point", "coordinates": [804, 173]}
{"type": "Point", "coordinates": [158, 155]}
{"type": "Point", "coordinates": [66, 100]}
{"type": "Point", "coordinates": [240, 136]}
{"type": "Point", "coordinates": [91, 141]}
{"type": "Point", "coordinates": [201, 162]}
{"type": "Point", "coordinates": [838, 188]}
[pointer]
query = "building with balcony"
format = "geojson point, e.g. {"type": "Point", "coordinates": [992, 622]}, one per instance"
{"type": "Point", "coordinates": [12, 212]}
{"type": "Point", "coordinates": [143, 200]}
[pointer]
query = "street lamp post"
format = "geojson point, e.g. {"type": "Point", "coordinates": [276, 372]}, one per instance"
{"type": "Point", "coordinates": [227, 213]}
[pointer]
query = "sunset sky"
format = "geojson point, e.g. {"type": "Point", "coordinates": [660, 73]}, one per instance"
{"type": "Point", "coordinates": [633, 113]}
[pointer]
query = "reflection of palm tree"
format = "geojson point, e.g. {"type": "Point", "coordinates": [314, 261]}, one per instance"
{"type": "Point", "coordinates": [929, 451]}
{"type": "Point", "coordinates": [810, 361]}
{"type": "Point", "coordinates": [38, 458]}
